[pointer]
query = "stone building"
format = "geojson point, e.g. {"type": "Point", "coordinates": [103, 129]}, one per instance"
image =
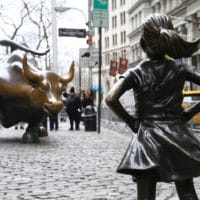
{"type": "Point", "coordinates": [185, 15]}
{"type": "Point", "coordinates": [121, 38]}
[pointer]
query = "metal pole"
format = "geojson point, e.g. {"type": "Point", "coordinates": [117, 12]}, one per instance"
{"type": "Point", "coordinates": [90, 45]}
{"type": "Point", "coordinates": [99, 89]}
{"type": "Point", "coordinates": [89, 14]}
{"type": "Point", "coordinates": [80, 77]}
{"type": "Point", "coordinates": [90, 76]}
{"type": "Point", "coordinates": [54, 38]}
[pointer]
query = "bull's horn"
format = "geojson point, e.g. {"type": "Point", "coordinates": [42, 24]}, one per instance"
{"type": "Point", "coordinates": [15, 46]}
{"type": "Point", "coordinates": [70, 75]}
{"type": "Point", "coordinates": [29, 74]}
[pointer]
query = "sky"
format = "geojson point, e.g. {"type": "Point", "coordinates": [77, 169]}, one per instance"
{"type": "Point", "coordinates": [68, 47]}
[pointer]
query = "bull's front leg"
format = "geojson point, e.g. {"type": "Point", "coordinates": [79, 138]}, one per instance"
{"type": "Point", "coordinates": [43, 127]}
{"type": "Point", "coordinates": [31, 134]}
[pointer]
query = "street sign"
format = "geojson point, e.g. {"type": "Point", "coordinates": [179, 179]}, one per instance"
{"type": "Point", "coordinates": [100, 13]}
{"type": "Point", "coordinates": [101, 4]}
{"type": "Point", "coordinates": [90, 61]}
{"type": "Point", "coordinates": [100, 19]}
{"type": "Point", "coordinates": [65, 32]}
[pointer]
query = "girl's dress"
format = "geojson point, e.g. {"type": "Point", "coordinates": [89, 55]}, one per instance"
{"type": "Point", "coordinates": [163, 142]}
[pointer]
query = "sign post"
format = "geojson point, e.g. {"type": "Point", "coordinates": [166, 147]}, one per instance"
{"type": "Point", "coordinates": [100, 19]}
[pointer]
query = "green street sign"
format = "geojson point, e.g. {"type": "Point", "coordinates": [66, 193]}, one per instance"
{"type": "Point", "coordinates": [100, 4]}
{"type": "Point", "coordinates": [100, 18]}
{"type": "Point", "coordinates": [100, 13]}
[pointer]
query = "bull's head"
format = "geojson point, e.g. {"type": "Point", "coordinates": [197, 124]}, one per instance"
{"type": "Point", "coordinates": [47, 87]}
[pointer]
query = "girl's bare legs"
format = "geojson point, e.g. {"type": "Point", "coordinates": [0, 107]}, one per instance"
{"type": "Point", "coordinates": [186, 190]}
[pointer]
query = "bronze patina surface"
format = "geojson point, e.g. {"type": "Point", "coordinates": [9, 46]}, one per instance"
{"type": "Point", "coordinates": [27, 94]}
{"type": "Point", "coordinates": [163, 149]}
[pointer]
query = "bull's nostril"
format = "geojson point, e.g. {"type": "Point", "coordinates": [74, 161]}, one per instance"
{"type": "Point", "coordinates": [53, 107]}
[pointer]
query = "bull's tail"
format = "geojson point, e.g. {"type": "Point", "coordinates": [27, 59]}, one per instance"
{"type": "Point", "coordinates": [14, 46]}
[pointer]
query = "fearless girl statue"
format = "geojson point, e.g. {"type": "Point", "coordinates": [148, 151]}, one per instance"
{"type": "Point", "coordinates": [163, 149]}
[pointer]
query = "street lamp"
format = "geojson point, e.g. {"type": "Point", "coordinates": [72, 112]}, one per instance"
{"type": "Point", "coordinates": [54, 30]}
{"type": "Point", "coordinates": [64, 9]}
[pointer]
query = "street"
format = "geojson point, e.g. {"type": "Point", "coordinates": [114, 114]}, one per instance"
{"type": "Point", "coordinates": [68, 165]}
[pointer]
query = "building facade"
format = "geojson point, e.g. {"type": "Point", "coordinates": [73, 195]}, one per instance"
{"type": "Point", "coordinates": [115, 42]}
{"type": "Point", "coordinates": [122, 37]}
{"type": "Point", "coordinates": [185, 15]}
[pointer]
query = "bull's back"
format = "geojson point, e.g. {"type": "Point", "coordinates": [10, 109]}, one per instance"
{"type": "Point", "coordinates": [12, 80]}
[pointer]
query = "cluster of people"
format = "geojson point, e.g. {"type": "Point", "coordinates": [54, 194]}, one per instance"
{"type": "Point", "coordinates": [76, 104]}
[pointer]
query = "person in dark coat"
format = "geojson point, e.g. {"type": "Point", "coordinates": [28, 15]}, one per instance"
{"type": "Point", "coordinates": [73, 109]}
{"type": "Point", "coordinates": [53, 122]}
{"type": "Point", "coordinates": [87, 98]}
{"type": "Point", "coordinates": [163, 149]}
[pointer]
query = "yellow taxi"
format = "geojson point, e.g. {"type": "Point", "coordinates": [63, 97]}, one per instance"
{"type": "Point", "coordinates": [191, 97]}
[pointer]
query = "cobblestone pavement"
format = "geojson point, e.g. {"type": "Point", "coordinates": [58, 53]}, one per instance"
{"type": "Point", "coordinates": [68, 165]}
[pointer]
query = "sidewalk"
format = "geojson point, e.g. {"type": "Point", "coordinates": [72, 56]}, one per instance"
{"type": "Point", "coordinates": [68, 165]}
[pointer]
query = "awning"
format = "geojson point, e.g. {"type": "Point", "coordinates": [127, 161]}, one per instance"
{"type": "Point", "coordinates": [96, 88]}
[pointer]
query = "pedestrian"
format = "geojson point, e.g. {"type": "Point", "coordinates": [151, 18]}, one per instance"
{"type": "Point", "coordinates": [87, 98]}
{"type": "Point", "coordinates": [163, 149]}
{"type": "Point", "coordinates": [83, 96]}
{"type": "Point", "coordinates": [53, 122]}
{"type": "Point", "coordinates": [90, 96]}
{"type": "Point", "coordinates": [73, 109]}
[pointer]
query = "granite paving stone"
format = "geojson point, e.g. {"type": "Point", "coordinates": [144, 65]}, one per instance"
{"type": "Point", "coordinates": [69, 165]}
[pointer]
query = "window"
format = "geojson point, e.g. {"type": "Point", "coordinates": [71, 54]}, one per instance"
{"type": "Point", "coordinates": [133, 54]}
{"type": "Point", "coordinates": [123, 37]}
{"type": "Point", "coordinates": [114, 38]}
{"type": "Point", "coordinates": [114, 21]}
{"type": "Point", "coordinates": [115, 56]}
{"type": "Point", "coordinates": [164, 5]}
{"type": "Point", "coordinates": [122, 2]}
{"type": "Point", "coordinates": [107, 56]}
{"type": "Point", "coordinates": [114, 4]}
{"type": "Point", "coordinates": [122, 18]}
{"type": "Point", "coordinates": [107, 42]}
{"type": "Point", "coordinates": [132, 23]}
{"type": "Point", "coordinates": [139, 18]}
{"type": "Point", "coordinates": [123, 53]}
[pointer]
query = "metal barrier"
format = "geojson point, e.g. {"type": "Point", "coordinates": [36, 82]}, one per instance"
{"type": "Point", "coordinates": [112, 122]}
{"type": "Point", "coordinates": [63, 115]}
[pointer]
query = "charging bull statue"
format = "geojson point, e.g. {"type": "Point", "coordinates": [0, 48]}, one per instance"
{"type": "Point", "coordinates": [28, 94]}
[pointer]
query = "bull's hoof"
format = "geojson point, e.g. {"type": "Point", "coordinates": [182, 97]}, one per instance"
{"type": "Point", "coordinates": [43, 132]}
{"type": "Point", "coordinates": [30, 138]}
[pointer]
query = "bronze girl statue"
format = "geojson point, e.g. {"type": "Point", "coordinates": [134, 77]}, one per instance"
{"type": "Point", "coordinates": [163, 149]}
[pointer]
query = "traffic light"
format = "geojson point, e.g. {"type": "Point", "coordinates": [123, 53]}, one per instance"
{"type": "Point", "coordinates": [89, 40]}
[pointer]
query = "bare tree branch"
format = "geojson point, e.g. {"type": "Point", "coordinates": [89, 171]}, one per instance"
{"type": "Point", "coordinates": [41, 22]}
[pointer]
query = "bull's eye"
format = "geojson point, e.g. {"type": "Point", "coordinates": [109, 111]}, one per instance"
{"type": "Point", "coordinates": [42, 89]}
{"type": "Point", "coordinates": [44, 86]}
{"type": "Point", "coordinates": [62, 87]}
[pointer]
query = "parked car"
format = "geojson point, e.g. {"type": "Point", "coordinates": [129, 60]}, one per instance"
{"type": "Point", "coordinates": [190, 98]}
